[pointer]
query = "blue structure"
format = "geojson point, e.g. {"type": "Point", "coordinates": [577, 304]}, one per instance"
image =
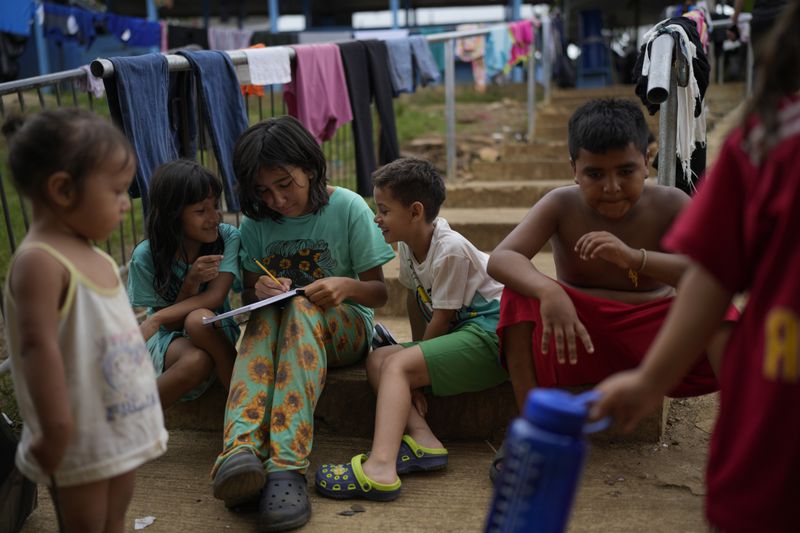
{"type": "Point", "coordinates": [594, 66]}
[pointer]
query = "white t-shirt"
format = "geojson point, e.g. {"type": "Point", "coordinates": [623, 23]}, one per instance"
{"type": "Point", "coordinates": [453, 276]}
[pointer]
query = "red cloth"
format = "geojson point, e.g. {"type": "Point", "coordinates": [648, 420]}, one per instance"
{"type": "Point", "coordinates": [621, 334]}
{"type": "Point", "coordinates": [742, 227]}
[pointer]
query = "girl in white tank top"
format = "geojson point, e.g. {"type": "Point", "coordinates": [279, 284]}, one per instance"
{"type": "Point", "coordinates": [82, 374]}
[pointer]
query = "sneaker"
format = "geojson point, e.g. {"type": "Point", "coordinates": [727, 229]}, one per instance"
{"type": "Point", "coordinates": [381, 336]}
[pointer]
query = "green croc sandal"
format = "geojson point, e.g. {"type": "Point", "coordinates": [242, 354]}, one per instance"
{"type": "Point", "coordinates": [348, 481]}
{"type": "Point", "coordinates": [415, 458]}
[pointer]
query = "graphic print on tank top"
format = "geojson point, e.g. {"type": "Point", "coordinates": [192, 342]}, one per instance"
{"type": "Point", "coordinates": [301, 260]}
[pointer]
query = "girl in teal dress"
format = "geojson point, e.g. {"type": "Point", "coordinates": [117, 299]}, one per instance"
{"type": "Point", "coordinates": [182, 273]}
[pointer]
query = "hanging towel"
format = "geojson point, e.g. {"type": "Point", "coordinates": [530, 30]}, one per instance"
{"type": "Point", "coordinates": [522, 37]}
{"type": "Point", "coordinates": [366, 65]}
{"type": "Point", "coordinates": [265, 66]}
{"type": "Point", "coordinates": [436, 49]}
{"type": "Point", "coordinates": [409, 58]}
{"type": "Point", "coordinates": [135, 31]}
{"type": "Point", "coordinates": [64, 23]}
{"type": "Point", "coordinates": [471, 50]}
{"type": "Point", "coordinates": [16, 16]}
{"type": "Point", "coordinates": [424, 61]}
{"type": "Point", "coordinates": [223, 110]}
{"type": "Point", "coordinates": [137, 101]}
{"type": "Point", "coordinates": [221, 38]}
{"type": "Point", "coordinates": [90, 83]}
{"type": "Point", "coordinates": [498, 48]}
{"type": "Point", "coordinates": [317, 94]}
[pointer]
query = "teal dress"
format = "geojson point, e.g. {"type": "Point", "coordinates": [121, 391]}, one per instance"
{"type": "Point", "coordinates": [141, 293]}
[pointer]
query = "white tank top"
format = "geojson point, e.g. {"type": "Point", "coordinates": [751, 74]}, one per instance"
{"type": "Point", "coordinates": [118, 423]}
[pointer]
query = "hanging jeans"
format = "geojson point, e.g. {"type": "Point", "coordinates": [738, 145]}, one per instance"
{"type": "Point", "coordinates": [278, 377]}
{"type": "Point", "coordinates": [366, 67]}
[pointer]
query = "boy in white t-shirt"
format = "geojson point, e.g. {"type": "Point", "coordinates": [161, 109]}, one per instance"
{"type": "Point", "coordinates": [453, 306]}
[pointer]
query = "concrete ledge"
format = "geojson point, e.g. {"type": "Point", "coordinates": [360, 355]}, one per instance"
{"type": "Point", "coordinates": [527, 170]}
{"type": "Point", "coordinates": [347, 409]}
{"type": "Point", "coordinates": [500, 194]}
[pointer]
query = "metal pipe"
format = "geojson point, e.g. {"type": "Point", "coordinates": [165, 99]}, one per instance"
{"type": "Point", "coordinates": [38, 81]}
{"type": "Point", "coordinates": [667, 133]}
{"type": "Point", "coordinates": [104, 68]}
{"type": "Point", "coordinates": [750, 61]}
{"type": "Point", "coordinates": [450, 107]}
{"type": "Point", "coordinates": [547, 58]}
{"type": "Point", "coordinates": [531, 104]}
{"type": "Point", "coordinates": [661, 60]}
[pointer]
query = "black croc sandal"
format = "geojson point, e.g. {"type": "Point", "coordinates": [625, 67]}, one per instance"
{"type": "Point", "coordinates": [239, 479]}
{"type": "Point", "coordinates": [284, 502]}
{"type": "Point", "coordinates": [497, 462]}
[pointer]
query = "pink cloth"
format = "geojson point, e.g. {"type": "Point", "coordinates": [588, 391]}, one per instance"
{"type": "Point", "coordinates": [522, 37]}
{"type": "Point", "coordinates": [702, 26]}
{"type": "Point", "coordinates": [317, 95]}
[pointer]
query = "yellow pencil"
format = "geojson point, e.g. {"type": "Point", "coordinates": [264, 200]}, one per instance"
{"type": "Point", "coordinates": [267, 272]}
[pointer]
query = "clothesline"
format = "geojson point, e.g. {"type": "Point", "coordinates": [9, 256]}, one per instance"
{"type": "Point", "coordinates": [103, 68]}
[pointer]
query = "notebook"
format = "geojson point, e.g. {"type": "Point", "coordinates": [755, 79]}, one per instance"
{"type": "Point", "coordinates": [253, 306]}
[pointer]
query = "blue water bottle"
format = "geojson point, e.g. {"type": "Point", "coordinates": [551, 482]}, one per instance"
{"type": "Point", "coordinates": [545, 449]}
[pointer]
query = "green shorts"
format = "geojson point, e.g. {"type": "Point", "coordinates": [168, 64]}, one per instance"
{"type": "Point", "coordinates": [464, 360]}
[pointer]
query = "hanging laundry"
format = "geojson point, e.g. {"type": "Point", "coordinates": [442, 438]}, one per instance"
{"type": "Point", "coordinates": [381, 35]}
{"type": "Point", "coordinates": [265, 66]}
{"type": "Point", "coordinates": [164, 35]}
{"type": "Point", "coordinates": [16, 16]}
{"type": "Point", "coordinates": [691, 127]}
{"type": "Point", "coordinates": [135, 31]}
{"type": "Point", "coordinates": [406, 62]}
{"type": "Point", "coordinates": [702, 19]}
{"type": "Point", "coordinates": [223, 110]}
{"type": "Point", "coordinates": [90, 83]}
{"type": "Point", "coordinates": [437, 49]}
{"type": "Point", "coordinates": [222, 38]}
{"type": "Point", "coordinates": [63, 23]}
{"type": "Point", "coordinates": [317, 94]}
{"type": "Point", "coordinates": [471, 50]}
{"type": "Point", "coordinates": [498, 51]}
{"type": "Point", "coordinates": [182, 36]}
{"type": "Point", "coordinates": [137, 101]}
{"type": "Point", "coordinates": [366, 66]}
{"type": "Point", "coordinates": [521, 37]}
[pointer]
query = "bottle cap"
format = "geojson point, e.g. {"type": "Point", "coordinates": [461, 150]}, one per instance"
{"type": "Point", "coordinates": [557, 411]}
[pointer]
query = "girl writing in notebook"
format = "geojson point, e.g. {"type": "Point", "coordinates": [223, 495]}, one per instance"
{"type": "Point", "coordinates": [182, 273]}
{"type": "Point", "coordinates": [85, 386]}
{"type": "Point", "coordinates": [311, 235]}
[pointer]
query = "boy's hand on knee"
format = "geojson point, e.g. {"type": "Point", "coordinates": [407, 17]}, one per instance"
{"type": "Point", "coordinates": [560, 321]}
{"type": "Point", "coordinates": [603, 245]}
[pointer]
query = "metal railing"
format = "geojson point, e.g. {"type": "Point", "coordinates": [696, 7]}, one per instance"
{"type": "Point", "coordinates": [59, 89]}
{"type": "Point", "coordinates": [668, 71]}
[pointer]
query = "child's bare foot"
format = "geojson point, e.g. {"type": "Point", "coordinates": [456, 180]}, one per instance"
{"type": "Point", "coordinates": [425, 437]}
{"type": "Point", "coordinates": [380, 471]}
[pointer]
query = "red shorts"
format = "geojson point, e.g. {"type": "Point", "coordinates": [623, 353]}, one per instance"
{"type": "Point", "coordinates": [621, 334]}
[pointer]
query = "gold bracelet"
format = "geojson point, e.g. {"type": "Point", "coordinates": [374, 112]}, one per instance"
{"type": "Point", "coordinates": [633, 275]}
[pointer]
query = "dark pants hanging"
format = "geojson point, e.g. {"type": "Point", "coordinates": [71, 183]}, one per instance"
{"type": "Point", "coordinates": [366, 67]}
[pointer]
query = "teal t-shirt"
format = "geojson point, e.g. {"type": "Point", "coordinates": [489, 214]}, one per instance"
{"type": "Point", "coordinates": [141, 272]}
{"type": "Point", "coordinates": [341, 240]}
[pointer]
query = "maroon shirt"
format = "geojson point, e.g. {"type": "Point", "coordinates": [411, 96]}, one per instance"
{"type": "Point", "coordinates": [744, 228]}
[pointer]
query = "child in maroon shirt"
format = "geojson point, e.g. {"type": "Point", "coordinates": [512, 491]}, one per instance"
{"type": "Point", "coordinates": [741, 233]}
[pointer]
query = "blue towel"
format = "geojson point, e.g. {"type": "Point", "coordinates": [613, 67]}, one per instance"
{"type": "Point", "coordinates": [222, 106]}
{"type": "Point", "coordinates": [134, 31]}
{"type": "Point", "coordinates": [423, 59]}
{"type": "Point", "coordinates": [16, 16]}
{"type": "Point", "coordinates": [137, 100]}
{"type": "Point", "coordinates": [498, 51]}
{"type": "Point", "coordinates": [401, 51]}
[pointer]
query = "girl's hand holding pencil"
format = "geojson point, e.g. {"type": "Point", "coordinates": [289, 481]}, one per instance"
{"type": "Point", "coordinates": [268, 285]}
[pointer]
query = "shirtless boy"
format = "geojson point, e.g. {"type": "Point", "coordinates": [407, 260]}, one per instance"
{"type": "Point", "coordinates": [614, 284]}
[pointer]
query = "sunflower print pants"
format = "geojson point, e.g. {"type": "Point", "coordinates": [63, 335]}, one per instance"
{"type": "Point", "coordinates": [279, 374]}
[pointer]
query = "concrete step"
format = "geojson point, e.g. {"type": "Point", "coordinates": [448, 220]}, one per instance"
{"type": "Point", "coordinates": [529, 168]}
{"type": "Point", "coordinates": [501, 194]}
{"type": "Point", "coordinates": [484, 227]}
{"type": "Point", "coordinates": [548, 150]}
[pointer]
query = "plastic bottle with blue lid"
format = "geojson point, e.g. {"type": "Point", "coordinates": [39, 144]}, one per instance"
{"type": "Point", "coordinates": [545, 452]}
